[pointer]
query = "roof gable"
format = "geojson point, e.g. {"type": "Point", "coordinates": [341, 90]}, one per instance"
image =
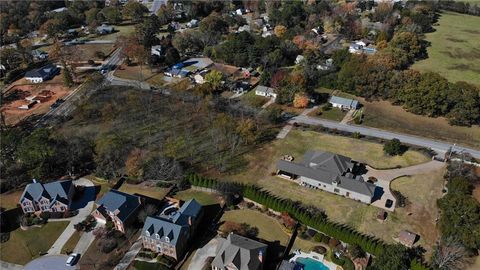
{"type": "Point", "coordinates": [125, 203]}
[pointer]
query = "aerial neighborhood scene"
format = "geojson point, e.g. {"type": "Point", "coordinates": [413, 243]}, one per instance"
{"type": "Point", "coordinates": [240, 134]}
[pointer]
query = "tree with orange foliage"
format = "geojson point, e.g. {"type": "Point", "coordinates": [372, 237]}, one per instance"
{"type": "Point", "coordinates": [280, 30]}
{"type": "Point", "coordinates": [134, 162]}
{"type": "Point", "coordinates": [300, 101]}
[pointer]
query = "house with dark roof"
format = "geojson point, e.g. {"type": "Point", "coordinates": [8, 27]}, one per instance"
{"type": "Point", "coordinates": [329, 172]}
{"type": "Point", "coordinates": [240, 253]}
{"type": "Point", "coordinates": [49, 197]}
{"type": "Point", "coordinates": [119, 207]}
{"type": "Point", "coordinates": [42, 74]}
{"type": "Point", "coordinates": [170, 232]}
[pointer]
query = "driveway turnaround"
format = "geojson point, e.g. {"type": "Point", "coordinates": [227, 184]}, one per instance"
{"type": "Point", "coordinates": [56, 262]}
{"type": "Point", "coordinates": [84, 207]}
{"type": "Point", "coordinates": [209, 250]}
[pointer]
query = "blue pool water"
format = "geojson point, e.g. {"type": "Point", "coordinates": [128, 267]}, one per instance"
{"type": "Point", "coordinates": [311, 264]}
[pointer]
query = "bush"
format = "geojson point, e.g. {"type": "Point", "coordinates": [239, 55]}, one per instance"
{"type": "Point", "coordinates": [107, 245]}
{"type": "Point", "coordinates": [332, 243]}
{"type": "Point", "coordinates": [45, 215]}
{"type": "Point", "coordinates": [394, 147]}
{"type": "Point", "coordinates": [91, 62]}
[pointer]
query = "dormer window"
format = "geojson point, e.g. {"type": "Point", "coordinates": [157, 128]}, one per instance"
{"type": "Point", "coordinates": [157, 236]}
{"type": "Point", "coordinates": [147, 233]}
{"type": "Point", "coordinates": [167, 240]}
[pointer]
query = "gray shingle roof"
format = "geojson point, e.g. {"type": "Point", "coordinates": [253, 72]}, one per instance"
{"type": "Point", "coordinates": [264, 89]}
{"type": "Point", "coordinates": [242, 252]}
{"type": "Point", "coordinates": [344, 101]}
{"type": "Point", "coordinates": [43, 72]}
{"type": "Point", "coordinates": [164, 228]}
{"type": "Point", "coordinates": [58, 189]}
{"type": "Point", "coordinates": [125, 203]}
{"type": "Point", "coordinates": [327, 167]}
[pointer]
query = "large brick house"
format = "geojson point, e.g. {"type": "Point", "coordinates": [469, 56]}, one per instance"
{"type": "Point", "coordinates": [49, 197]}
{"type": "Point", "coordinates": [121, 208]}
{"type": "Point", "coordinates": [168, 234]}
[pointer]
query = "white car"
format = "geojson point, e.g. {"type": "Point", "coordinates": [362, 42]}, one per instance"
{"type": "Point", "coordinates": [72, 259]}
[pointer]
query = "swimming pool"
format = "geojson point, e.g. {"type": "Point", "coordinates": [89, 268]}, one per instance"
{"type": "Point", "coordinates": [311, 264]}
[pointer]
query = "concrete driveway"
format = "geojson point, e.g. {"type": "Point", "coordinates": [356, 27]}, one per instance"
{"type": "Point", "coordinates": [84, 206]}
{"type": "Point", "coordinates": [201, 255]}
{"type": "Point", "coordinates": [385, 177]}
{"type": "Point", "coordinates": [56, 262]}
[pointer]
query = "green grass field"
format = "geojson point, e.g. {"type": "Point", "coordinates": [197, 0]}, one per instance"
{"type": "Point", "coordinates": [72, 242]}
{"type": "Point", "coordinates": [455, 48]}
{"type": "Point", "coordinates": [205, 198]}
{"type": "Point", "coordinates": [10, 199]}
{"type": "Point", "coordinates": [153, 192]}
{"type": "Point", "coordinates": [122, 30]}
{"type": "Point", "coordinates": [23, 246]}
{"type": "Point", "coordinates": [334, 114]}
{"type": "Point", "coordinates": [268, 227]}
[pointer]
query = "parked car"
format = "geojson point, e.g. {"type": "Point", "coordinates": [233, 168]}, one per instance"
{"type": "Point", "coordinates": [73, 259]}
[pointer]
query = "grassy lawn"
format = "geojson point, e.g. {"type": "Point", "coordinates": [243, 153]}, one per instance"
{"type": "Point", "coordinates": [334, 114]}
{"type": "Point", "coordinates": [383, 115]}
{"type": "Point", "coordinates": [72, 242]}
{"type": "Point", "coordinates": [139, 265]}
{"type": "Point", "coordinates": [122, 30]}
{"type": "Point", "coordinates": [205, 198]}
{"type": "Point", "coordinates": [422, 191]}
{"type": "Point", "coordinates": [268, 227]}
{"type": "Point", "coordinates": [157, 80]}
{"type": "Point", "coordinates": [23, 246]}
{"type": "Point", "coordinates": [455, 48]}
{"type": "Point", "coordinates": [137, 72]}
{"type": "Point", "coordinates": [153, 192]}
{"type": "Point", "coordinates": [10, 199]}
{"type": "Point", "coordinates": [253, 100]}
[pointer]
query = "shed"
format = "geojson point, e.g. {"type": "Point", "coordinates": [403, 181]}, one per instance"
{"type": "Point", "coordinates": [407, 238]}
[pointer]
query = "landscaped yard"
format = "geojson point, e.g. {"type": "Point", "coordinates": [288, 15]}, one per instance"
{"type": "Point", "coordinates": [383, 115]}
{"type": "Point", "coordinates": [334, 114]}
{"type": "Point", "coordinates": [72, 242]}
{"type": "Point", "coordinates": [153, 192]}
{"type": "Point", "coordinates": [121, 30]}
{"type": "Point", "coordinates": [205, 198]}
{"type": "Point", "coordinates": [135, 72]}
{"type": "Point", "coordinates": [23, 246]}
{"type": "Point", "coordinates": [10, 199]}
{"type": "Point", "coordinates": [268, 227]}
{"type": "Point", "coordinates": [253, 100]}
{"type": "Point", "coordinates": [455, 48]}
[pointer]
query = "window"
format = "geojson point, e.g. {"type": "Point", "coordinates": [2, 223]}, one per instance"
{"type": "Point", "coordinates": [167, 240]}
{"type": "Point", "coordinates": [157, 236]}
{"type": "Point", "coordinates": [147, 233]}
{"type": "Point", "coordinates": [336, 190]}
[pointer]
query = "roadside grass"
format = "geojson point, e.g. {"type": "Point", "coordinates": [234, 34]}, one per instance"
{"type": "Point", "coordinates": [204, 198]}
{"type": "Point", "coordinates": [383, 115]}
{"type": "Point", "coordinates": [253, 100]}
{"type": "Point", "coordinates": [9, 200]}
{"type": "Point", "coordinates": [157, 80]}
{"type": "Point", "coordinates": [136, 72]}
{"type": "Point", "coordinates": [23, 246]}
{"type": "Point", "coordinates": [268, 228]}
{"type": "Point", "coordinates": [153, 192]}
{"type": "Point", "coordinates": [72, 242]}
{"type": "Point", "coordinates": [454, 50]}
{"type": "Point", "coordinates": [140, 265]}
{"type": "Point", "coordinates": [334, 114]}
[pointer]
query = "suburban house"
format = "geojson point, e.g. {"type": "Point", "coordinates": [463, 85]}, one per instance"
{"type": "Point", "coordinates": [265, 91]}
{"type": "Point", "coordinates": [105, 29]}
{"type": "Point", "coordinates": [121, 208]}
{"type": "Point", "coordinates": [49, 197]}
{"type": "Point", "coordinates": [362, 46]}
{"type": "Point", "coordinates": [238, 252]}
{"type": "Point", "coordinates": [343, 103]}
{"type": "Point", "coordinates": [190, 66]}
{"type": "Point", "coordinates": [170, 232]}
{"type": "Point", "coordinates": [42, 74]}
{"type": "Point", "coordinates": [156, 50]}
{"type": "Point", "coordinates": [407, 238]}
{"type": "Point", "coordinates": [329, 172]}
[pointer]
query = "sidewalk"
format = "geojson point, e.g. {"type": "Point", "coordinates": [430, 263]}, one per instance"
{"type": "Point", "coordinates": [130, 255]}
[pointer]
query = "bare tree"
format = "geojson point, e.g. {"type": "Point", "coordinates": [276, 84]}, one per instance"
{"type": "Point", "coordinates": [450, 255]}
{"type": "Point", "coordinates": [163, 169]}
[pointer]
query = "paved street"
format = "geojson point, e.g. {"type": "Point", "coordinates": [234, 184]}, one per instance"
{"type": "Point", "coordinates": [438, 146]}
{"type": "Point", "coordinates": [84, 206]}
{"type": "Point", "coordinates": [50, 263]}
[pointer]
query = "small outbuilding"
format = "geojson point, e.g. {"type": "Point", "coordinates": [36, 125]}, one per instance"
{"type": "Point", "coordinates": [407, 238]}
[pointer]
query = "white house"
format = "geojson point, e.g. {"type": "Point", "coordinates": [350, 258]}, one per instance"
{"type": "Point", "coordinates": [41, 74]}
{"type": "Point", "coordinates": [265, 91]}
{"type": "Point", "coordinates": [193, 23]}
{"type": "Point", "coordinates": [343, 103]}
{"type": "Point", "coordinates": [299, 59]}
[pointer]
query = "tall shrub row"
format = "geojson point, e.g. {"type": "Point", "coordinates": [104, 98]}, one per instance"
{"type": "Point", "coordinates": [314, 219]}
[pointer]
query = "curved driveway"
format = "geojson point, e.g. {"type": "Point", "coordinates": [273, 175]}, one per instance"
{"type": "Point", "coordinates": [56, 262]}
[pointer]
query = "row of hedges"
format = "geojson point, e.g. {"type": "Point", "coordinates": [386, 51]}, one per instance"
{"type": "Point", "coordinates": [309, 217]}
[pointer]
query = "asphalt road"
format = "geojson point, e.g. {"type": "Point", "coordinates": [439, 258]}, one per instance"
{"type": "Point", "coordinates": [50, 263]}
{"type": "Point", "coordinates": [437, 146]}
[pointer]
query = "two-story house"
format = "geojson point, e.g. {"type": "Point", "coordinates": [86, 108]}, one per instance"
{"type": "Point", "coordinates": [50, 197]}
{"type": "Point", "coordinates": [168, 234]}
{"type": "Point", "coordinates": [121, 208]}
{"type": "Point", "coordinates": [239, 253]}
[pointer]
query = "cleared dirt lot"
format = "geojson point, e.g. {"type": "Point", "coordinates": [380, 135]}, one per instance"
{"type": "Point", "coordinates": [15, 96]}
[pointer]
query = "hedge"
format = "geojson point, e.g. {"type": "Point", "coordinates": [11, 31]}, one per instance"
{"type": "Point", "coordinates": [314, 219]}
